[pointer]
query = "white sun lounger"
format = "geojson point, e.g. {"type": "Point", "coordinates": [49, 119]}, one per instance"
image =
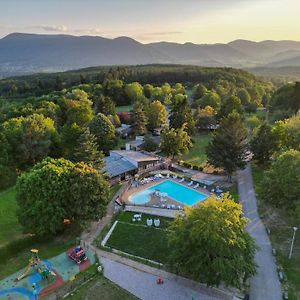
{"type": "Point", "coordinates": [173, 206]}
{"type": "Point", "coordinates": [196, 186]}
{"type": "Point", "coordinates": [156, 222]}
{"type": "Point", "coordinates": [168, 175]}
{"type": "Point", "coordinates": [191, 183]}
{"type": "Point", "coordinates": [174, 176]}
{"type": "Point", "coordinates": [149, 222]}
{"type": "Point", "coordinates": [181, 180]}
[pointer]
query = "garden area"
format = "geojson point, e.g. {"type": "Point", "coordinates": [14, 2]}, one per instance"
{"type": "Point", "coordinates": [136, 238]}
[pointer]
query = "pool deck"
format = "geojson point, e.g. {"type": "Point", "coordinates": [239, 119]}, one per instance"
{"type": "Point", "coordinates": [155, 202]}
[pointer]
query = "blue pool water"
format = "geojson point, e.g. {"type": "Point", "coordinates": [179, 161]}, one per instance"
{"type": "Point", "coordinates": [174, 190]}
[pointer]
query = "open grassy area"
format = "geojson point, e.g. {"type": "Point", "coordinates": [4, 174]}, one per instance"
{"type": "Point", "coordinates": [100, 288]}
{"type": "Point", "coordinates": [197, 155]}
{"type": "Point", "coordinates": [140, 240]}
{"type": "Point", "coordinates": [280, 224]}
{"type": "Point", "coordinates": [9, 226]}
{"type": "Point", "coordinates": [124, 108]}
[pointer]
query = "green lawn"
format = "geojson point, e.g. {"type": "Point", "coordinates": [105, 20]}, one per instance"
{"type": "Point", "coordinates": [139, 240]}
{"type": "Point", "coordinates": [9, 226]}
{"type": "Point", "coordinates": [124, 108]}
{"type": "Point", "coordinates": [197, 155]}
{"type": "Point", "coordinates": [280, 224]}
{"type": "Point", "coordinates": [100, 288]}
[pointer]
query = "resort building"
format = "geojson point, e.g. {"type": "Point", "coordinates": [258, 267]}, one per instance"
{"type": "Point", "coordinates": [121, 164]}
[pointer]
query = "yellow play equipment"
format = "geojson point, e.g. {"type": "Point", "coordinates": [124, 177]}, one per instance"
{"type": "Point", "coordinates": [37, 265]}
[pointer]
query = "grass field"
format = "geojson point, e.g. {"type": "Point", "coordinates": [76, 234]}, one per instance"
{"type": "Point", "coordinates": [15, 248]}
{"type": "Point", "coordinates": [140, 240]}
{"type": "Point", "coordinates": [197, 155]}
{"type": "Point", "coordinates": [124, 108]}
{"type": "Point", "coordinates": [9, 226]}
{"type": "Point", "coordinates": [280, 224]}
{"type": "Point", "coordinates": [100, 288]}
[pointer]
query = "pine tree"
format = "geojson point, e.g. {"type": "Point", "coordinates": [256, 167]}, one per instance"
{"type": "Point", "coordinates": [228, 147]}
{"type": "Point", "coordinates": [140, 118]}
{"type": "Point", "coordinates": [263, 145]}
{"type": "Point", "coordinates": [87, 150]}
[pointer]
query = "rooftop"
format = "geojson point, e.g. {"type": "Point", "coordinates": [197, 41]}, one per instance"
{"type": "Point", "coordinates": [135, 155]}
{"type": "Point", "coordinates": [116, 164]}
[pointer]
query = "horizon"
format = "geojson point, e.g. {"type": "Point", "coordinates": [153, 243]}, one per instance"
{"type": "Point", "coordinates": [145, 43]}
{"type": "Point", "coordinates": [198, 22]}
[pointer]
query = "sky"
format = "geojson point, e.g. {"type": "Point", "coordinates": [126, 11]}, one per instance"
{"type": "Point", "coordinates": [197, 21]}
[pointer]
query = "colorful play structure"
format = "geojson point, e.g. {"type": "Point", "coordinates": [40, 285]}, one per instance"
{"type": "Point", "coordinates": [41, 277]}
{"type": "Point", "coordinates": [36, 264]}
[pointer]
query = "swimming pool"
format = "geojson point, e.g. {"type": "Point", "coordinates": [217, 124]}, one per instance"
{"type": "Point", "coordinates": [174, 190]}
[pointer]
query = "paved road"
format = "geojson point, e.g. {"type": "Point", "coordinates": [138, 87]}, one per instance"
{"type": "Point", "coordinates": [143, 285]}
{"type": "Point", "coordinates": [265, 285]}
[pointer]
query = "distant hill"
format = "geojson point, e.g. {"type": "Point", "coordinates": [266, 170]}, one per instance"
{"type": "Point", "coordinates": [22, 53]}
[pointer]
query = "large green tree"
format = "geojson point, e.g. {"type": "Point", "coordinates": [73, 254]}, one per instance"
{"type": "Point", "coordinates": [229, 105]}
{"type": "Point", "coordinates": [281, 183]}
{"type": "Point", "coordinates": [264, 144]}
{"type": "Point", "coordinates": [210, 243]}
{"type": "Point", "coordinates": [157, 115]}
{"type": "Point", "coordinates": [57, 189]}
{"type": "Point", "coordinates": [30, 138]}
{"type": "Point", "coordinates": [181, 113]}
{"type": "Point", "coordinates": [227, 150]}
{"type": "Point", "coordinates": [175, 141]}
{"type": "Point", "coordinates": [104, 132]}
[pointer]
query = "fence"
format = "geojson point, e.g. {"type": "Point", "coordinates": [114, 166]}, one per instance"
{"type": "Point", "coordinates": [70, 287]}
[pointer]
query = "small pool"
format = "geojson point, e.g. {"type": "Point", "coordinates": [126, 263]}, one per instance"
{"type": "Point", "coordinates": [174, 190]}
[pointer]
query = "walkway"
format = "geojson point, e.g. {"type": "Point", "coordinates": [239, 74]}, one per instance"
{"type": "Point", "coordinates": [163, 212]}
{"type": "Point", "coordinates": [140, 280]}
{"type": "Point", "coordinates": [265, 285]}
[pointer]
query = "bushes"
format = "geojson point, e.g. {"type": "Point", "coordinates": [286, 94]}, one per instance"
{"type": "Point", "coordinates": [189, 166]}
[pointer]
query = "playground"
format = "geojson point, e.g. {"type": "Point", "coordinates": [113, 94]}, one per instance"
{"type": "Point", "coordinates": [43, 276]}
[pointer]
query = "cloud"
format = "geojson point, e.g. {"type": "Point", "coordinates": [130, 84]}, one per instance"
{"type": "Point", "coordinates": [54, 28]}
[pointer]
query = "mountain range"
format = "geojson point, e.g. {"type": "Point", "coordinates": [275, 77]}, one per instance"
{"type": "Point", "coordinates": [23, 53]}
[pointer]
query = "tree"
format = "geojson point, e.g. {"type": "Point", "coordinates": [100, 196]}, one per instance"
{"type": "Point", "coordinates": [69, 139]}
{"type": "Point", "coordinates": [229, 105]}
{"type": "Point", "coordinates": [134, 91]}
{"type": "Point", "coordinates": [79, 112]}
{"type": "Point", "coordinates": [281, 183]}
{"type": "Point", "coordinates": [148, 89]}
{"type": "Point", "coordinates": [149, 144]}
{"type": "Point", "coordinates": [175, 141]}
{"type": "Point", "coordinates": [199, 91]}
{"type": "Point", "coordinates": [210, 243]}
{"type": "Point", "coordinates": [205, 118]}
{"type": "Point", "coordinates": [30, 138]}
{"type": "Point", "coordinates": [244, 96]}
{"type": "Point", "coordinates": [210, 98]}
{"type": "Point", "coordinates": [181, 113]}
{"type": "Point", "coordinates": [87, 150]}
{"type": "Point", "coordinates": [157, 115]}
{"type": "Point", "coordinates": [140, 118]}
{"type": "Point", "coordinates": [263, 144]}
{"type": "Point", "coordinates": [57, 189]}
{"type": "Point", "coordinates": [104, 131]}
{"type": "Point", "coordinates": [104, 105]}
{"type": "Point", "coordinates": [228, 147]}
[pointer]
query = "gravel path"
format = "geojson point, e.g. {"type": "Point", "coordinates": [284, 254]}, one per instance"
{"type": "Point", "coordinates": [143, 285]}
{"type": "Point", "coordinates": [265, 285]}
